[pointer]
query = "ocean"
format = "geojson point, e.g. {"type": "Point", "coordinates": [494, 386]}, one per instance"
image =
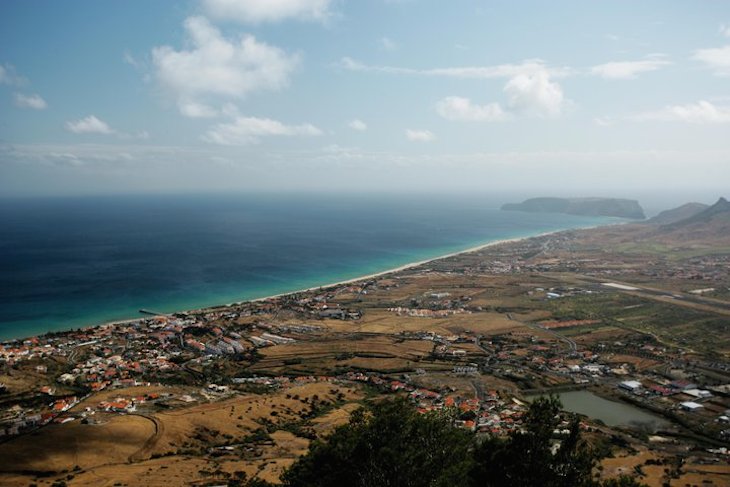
{"type": "Point", "coordinates": [73, 262]}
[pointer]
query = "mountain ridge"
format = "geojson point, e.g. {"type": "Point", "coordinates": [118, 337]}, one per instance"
{"type": "Point", "coordinates": [717, 213]}
{"type": "Point", "coordinates": [677, 214]}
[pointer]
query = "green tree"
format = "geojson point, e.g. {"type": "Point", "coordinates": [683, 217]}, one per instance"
{"type": "Point", "coordinates": [532, 457]}
{"type": "Point", "coordinates": [392, 445]}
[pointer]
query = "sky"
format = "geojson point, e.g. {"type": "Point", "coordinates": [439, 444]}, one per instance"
{"type": "Point", "coordinates": [546, 98]}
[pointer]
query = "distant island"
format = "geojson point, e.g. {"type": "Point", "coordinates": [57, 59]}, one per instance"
{"type": "Point", "coordinates": [622, 208]}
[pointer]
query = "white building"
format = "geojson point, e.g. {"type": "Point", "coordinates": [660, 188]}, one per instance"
{"type": "Point", "coordinates": [698, 393]}
{"type": "Point", "coordinates": [691, 406]}
{"type": "Point", "coordinates": [631, 385]}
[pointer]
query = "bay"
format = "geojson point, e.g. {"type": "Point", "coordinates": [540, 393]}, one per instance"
{"type": "Point", "coordinates": [71, 262]}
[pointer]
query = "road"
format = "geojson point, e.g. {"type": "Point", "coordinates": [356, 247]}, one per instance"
{"type": "Point", "coordinates": [670, 297]}
{"type": "Point", "coordinates": [571, 343]}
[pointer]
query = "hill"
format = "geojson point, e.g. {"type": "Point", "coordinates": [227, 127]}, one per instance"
{"type": "Point", "coordinates": [678, 214]}
{"type": "Point", "coordinates": [616, 207]}
{"type": "Point", "coordinates": [714, 217]}
{"type": "Point", "coordinates": [710, 226]}
{"type": "Point", "coordinates": [717, 213]}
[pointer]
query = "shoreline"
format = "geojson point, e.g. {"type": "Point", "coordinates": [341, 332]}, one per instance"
{"type": "Point", "coordinates": [404, 267]}
{"type": "Point", "coordinates": [393, 270]}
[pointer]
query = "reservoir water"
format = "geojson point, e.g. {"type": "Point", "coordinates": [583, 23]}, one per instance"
{"type": "Point", "coordinates": [612, 413]}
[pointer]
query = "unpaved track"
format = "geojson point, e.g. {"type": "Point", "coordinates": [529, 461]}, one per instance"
{"type": "Point", "coordinates": [146, 450]}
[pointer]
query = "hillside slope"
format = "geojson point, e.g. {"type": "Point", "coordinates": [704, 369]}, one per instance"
{"type": "Point", "coordinates": [710, 225]}
{"type": "Point", "coordinates": [678, 214]}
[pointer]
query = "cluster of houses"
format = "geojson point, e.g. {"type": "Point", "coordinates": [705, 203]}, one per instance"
{"type": "Point", "coordinates": [427, 313]}
{"type": "Point", "coordinates": [17, 420]}
{"type": "Point", "coordinates": [17, 351]}
{"type": "Point", "coordinates": [126, 404]}
{"type": "Point", "coordinates": [706, 268]}
{"type": "Point", "coordinates": [685, 395]}
{"type": "Point", "coordinates": [492, 414]}
{"type": "Point", "coordinates": [14, 421]}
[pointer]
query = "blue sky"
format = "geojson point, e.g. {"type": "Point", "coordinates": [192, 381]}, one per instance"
{"type": "Point", "coordinates": [565, 97]}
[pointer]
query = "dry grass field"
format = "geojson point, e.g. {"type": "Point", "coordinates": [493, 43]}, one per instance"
{"type": "Point", "coordinates": [375, 352]}
{"type": "Point", "coordinates": [639, 363]}
{"type": "Point", "coordinates": [175, 447]}
{"type": "Point", "coordinates": [692, 472]}
{"type": "Point", "coordinates": [60, 447]}
{"type": "Point", "coordinates": [222, 421]}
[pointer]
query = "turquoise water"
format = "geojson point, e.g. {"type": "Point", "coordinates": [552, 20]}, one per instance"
{"type": "Point", "coordinates": [612, 413]}
{"type": "Point", "coordinates": [71, 262]}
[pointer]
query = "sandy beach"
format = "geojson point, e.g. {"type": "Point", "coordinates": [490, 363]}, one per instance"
{"type": "Point", "coordinates": [396, 269]}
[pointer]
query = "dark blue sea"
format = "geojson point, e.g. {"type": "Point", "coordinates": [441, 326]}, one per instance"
{"type": "Point", "coordinates": [72, 262]}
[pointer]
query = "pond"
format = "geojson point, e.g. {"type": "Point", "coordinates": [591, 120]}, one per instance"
{"type": "Point", "coordinates": [612, 413]}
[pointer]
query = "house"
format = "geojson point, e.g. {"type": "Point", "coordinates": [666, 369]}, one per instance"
{"type": "Point", "coordinates": [691, 406]}
{"type": "Point", "coordinates": [67, 378]}
{"type": "Point", "coordinates": [683, 385]}
{"type": "Point", "coordinates": [698, 393]}
{"type": "Point", "coordinates": [335, 313]}
{"type": "Point", "coordinates": [465, 369]}
{"type": "Point", "coordinates": [662, 391]}
{"type": "Point", "coordinates": [594, 369]}
{"type": "Point", "coordinates": [630, 385]}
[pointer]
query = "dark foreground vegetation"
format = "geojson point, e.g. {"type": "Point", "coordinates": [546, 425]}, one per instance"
{"type": "Point", "coordinates": [391, 444]}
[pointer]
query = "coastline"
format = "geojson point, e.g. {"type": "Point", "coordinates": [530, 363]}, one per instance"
{"type": "Point", "coordinates": [393, 270]}
{"type": "Point", "coordinates": [404, 267]}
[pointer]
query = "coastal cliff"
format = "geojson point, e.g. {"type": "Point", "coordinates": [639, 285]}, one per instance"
{"type": "Point", "coordinates": [622, 208]}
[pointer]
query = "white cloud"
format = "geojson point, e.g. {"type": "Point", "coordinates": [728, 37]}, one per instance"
{"type": "Point", "coordinates": [629, 69]}
{"type": "Point", "coordinates": [249, 130]}
{"type": "Point", "coordinates": [468, 72]}
{"type": "Point", "coordinates": [358, 125]}
{"type": "Point", "coordinates": [725, 30]}
{"type": "Point", "coordinates": [458, 108]}
{"type": "Point", "coordinates": [8, 76]}
{"type": "Point", "coordinates": [129, 59]}
{"type": "Point", "coordinates": [89, 125]}
{"type": "Point", "coordinates": [535, 94]}
{"type": "Point", "coordinates": [700, 112]}
{"type": "Point", "coordinates": [257, 11]}
{"type": "Point", "coordinates": [603, 121]}
{"type": "Point", "coordinates": [388, 44]}
{"type": "Point", "coordinates": [218, 67]}
{"type": "Point", "coordinates": [420, 135]}
{"type": "Point", "coordinates": [716, 58]}
{"type": "Point", "coordinates": [196, 110]}
{"type": "Point", "coordinates": [30, 101]}
{"type": "Point", "coordinates": [530, 88]}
